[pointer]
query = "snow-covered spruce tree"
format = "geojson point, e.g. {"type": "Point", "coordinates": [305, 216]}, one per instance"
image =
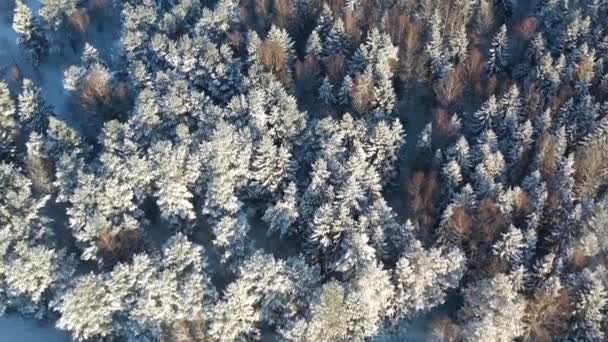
{"type": "Point", "coordinates": [141, 299]}
{"type": "Point", "coordinates": [177, 170]}
{"type": "Point", "coordinates": [139, 19]}
{"type": "Point", "coordinates": [493, 309]}
{"type": "Point", "coordinates": [326, 93]}
{"type": "Point", "coordinates": [510, 248]}
{"type": "Point", "coordinates": [346, 313]}
{"type": "Point", "coordinates": [319, 190]}
{"type": "Point", "coordinates": [39, 165]}
{"type": "Point", "coordinates": [337, 42]}
{"type": "Point", "coordinates": [314, 47]}
{"type": "Point", "coordinates": [273, 111]}
{"type": "Point", "coordinates": [330, 316]}
{"type": "Point", "coordinates": [384, 92]}
{"type": "Point", "coordinates": [33, 111]}
{"type": "Point", "coordinates": [227, 172]}
{"type": "Point", "coordinates": [379, 54]}
{"type": "Point", "coordinates": [30, 33]}
{"type": "Point", "coordinates": [487, 117]}
{"type": "Point", "coordinates": [179, 290]}
{"type": "Point", "coordinates": [499, 53]}
{"type": "Point", "coordinates": [56, 11]}
{"type": "Point", "coordinates": [590, 305]}
{"type": "Point", "coordinates": [266, 291]}
{"type": "Point", "coordinates": [32, 276]}
{"type": "Point", "coordinates": [87, 310]}
{"type": "Point", "coordinates": [31, 272]}
{"type": "Point", "coordinates": [324, 21]}
{"type": "Point", "coordinates": [345, 91]}
{"type": "Point", "coordinates": [272, 168]}
{"type": "Point", "coordinates": [459, 45]}
{"type": "Point", "coordinates": [282, 216]}
{"type": "Point", "coordinates": [8, 121]}
{"type": "Point", "coordinates": [435, 48]}
{"type": "Point", "coordinates": [57, 15]}
{"type": "Point", "coordinates": [232, 237]}
{"type": "Point", "coordinates": [69, 149]}
{"type": "Point", "coordinates": [20, 216]}
{"type": "Point", "coordinates": [104, 211]}
{"type": "Point", "coordinates": [422, 278]}
{"type": "Point", "coordinates": [384, 147]}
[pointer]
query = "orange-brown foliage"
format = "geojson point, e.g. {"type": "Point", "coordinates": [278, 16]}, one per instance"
{"type": "Point", "coordinates": [405, 33]}
{"type": "Point", "coordinates": [336, 65]}
{"type": "Point", "coordinates": [460, 224]}
{"type": "Point", "coordinates": [547, 147]}
{"type": "Point", "coordinates": [14, 74]}
{"type": "Point", "coordinates": [96, 93]}
{"type": "Point", "coordinates": [564, 93]}
{"type": "Point", "coordinates": [534, 102]}
{"type": "Point", "coordinates": [526, 29]}
{"type": "Point", "coordinates": [547, 316]}
{"type": "Point", "coordinates": [186, 330]}
{"type": "Point", "coordinates": [411, 37]}
{"type": "Point", "coordinates": [79, 20]}
{"type": "Point", "coordinates": [362, 93]}
{"type": "Point", "coordinates": [275, 59]}
{"type": "Point", "coordinates": [474, 66]}
{"type": "Point", "coordinates": [396, 25]}
{"type": "Point", "coordinates": [490, 221]}
{"type": "Point", "coordinates": [336, 6]}
{"type": "Point", "coordinates": [522, 206]}
{"type": "Point", "coordinates": [577, 261]}
{"type": "Point", "coordinates": [422, 193]}
{"type": "Point", "coordinates": [96, 4]}
{"type": "Point", "coordinates": [489, 88]}
{"type": "Point", "coordinates": [443, 124]}
{"type": "Point", "coordinates": [449, 90]}
{"type": "Point", "coordinates": [592, 168]}
{"type": "Point", "coordinates": [117, 246]}
{"type": "Point", "coordinates": [352, 27]}
{"type": "Point", "coordinates": [261, 8]}
{"type": "Point", "coordinates": [307, 71]}
{"type": "Point", "coordinates": [585, 69]}
{"type": "Point", "coordinates": [284, 12]}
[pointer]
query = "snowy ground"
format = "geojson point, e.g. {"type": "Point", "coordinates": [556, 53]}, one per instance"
{"type": "Point", "coordinates": [17, 329]}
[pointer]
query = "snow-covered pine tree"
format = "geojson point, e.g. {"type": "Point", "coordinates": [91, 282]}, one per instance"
{"type": "Point", "coordinates": [499, 54]}
{"type": "Point", "coordinates": [422, 278]}
{"type": "Point", "coordinates": [337, 41]}
{"type": "Point", "coordinates": [493, 310]}
{"type": "Point", "coordinates": [282, 216]}
{"type": "Point", "coordinates": [590, 304]}
{"type": "Point", "coordinates": [33, 112]}
{"type": "Point", "coordinates": [345, 91]}
{"type": "Point", "coordinates": [9, 125]}
{"type": "Point", "coordinates": [227, 172]}
{"type": "Point", "coordinates": [326, 94]}
{"type": "Point", "coordinates": [30, 33]}
{"type": "Point", "coordinates": [314, 47]}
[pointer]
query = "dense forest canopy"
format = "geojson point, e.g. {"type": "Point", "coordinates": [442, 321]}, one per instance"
{"type": "Point", "coordinates": [305, 170]}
